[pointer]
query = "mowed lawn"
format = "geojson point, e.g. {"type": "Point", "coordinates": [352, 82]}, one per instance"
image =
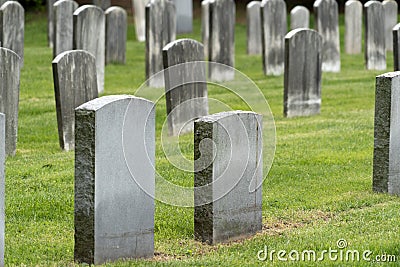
{"type": "Point", "coordinates": [317, 192]}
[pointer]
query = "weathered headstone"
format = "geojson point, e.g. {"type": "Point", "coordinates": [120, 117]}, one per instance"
{"type": "Point", "coordinates": [74, 75]}
{"type": "Point", "coordinates": [114, 179]}
{"type": "Point", "coordinates": [299, 18]}
{"type": "Point", "coordinates": [374, 50]}
{"type": "Point", "coordinates": [205, 25]}
{"type": "Point", "coordinates": [12, 20]}
{"type": "Point", "coordinates": [396, 47]}
{"type": "Point", "coordinates": [116, 29]}
{"type": "Point", "coordinates": [353, 27]}
{"type": "Point", "coordinates": [184, 16]}
{"type": "Point", "coordinates": [50, 21]}
{"type": "Point", "coordinates": [139, 7]}
{"type": "Point", "coordinates": [228, 157]}
{"type": "Point", "coordinates": [103, 4]}
{"type": "Point", "coordinates": [274, 28]}
{"type": "Point", "coordinates": [2, 185]}
{"type": "Point", "coordinates": [9, 95]}
{"type": "Point", "coordinates": [89, 35]}
{"type": "Point", "coordinates": [303, 63]}
{"type": "Point", "coordinates": [390, 11]}
{"type": "Point", "coordinates": [222, 39]}
{"type": "Point", "coordinates": [254, 43]}
{"type": "Point", "coordinates": [63, 26]}
{"type": "Point", "coordinates": [386, 163]}
{"type": "Point", "coordinates": [160, 30]}
{"type": "Point", "coordinates": [185, 84]}
{"type": "Point", "coordinates": [327, 24]}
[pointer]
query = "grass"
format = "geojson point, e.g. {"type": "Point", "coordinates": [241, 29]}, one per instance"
{"type": "Point", "coordinates": [317, 192]}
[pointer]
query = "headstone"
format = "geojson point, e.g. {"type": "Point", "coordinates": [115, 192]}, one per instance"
{"type": "Point", "coordinates": [114, 215]}
{"type": "Point", "coordinates": [9, 96]}
{"type": "Point", "coordinates": [327, 24]}
{"type": "Point", "coordinates": [116, 29]}
{"type": "Point", "coordinates": [396, 47]}
{"type": "Point", "coordinates": [205, 25]}
{"type": "Point", "coordinates": [374, 50]}
{"type": "Point", "coordinates": [228, 157]}
{"type": "Point", "coordinates": [160, 30]}
{"type": "Point", "coordinates": [274, 28]}
{"type": "Point", "coordinates": [353, 27]}
{"type": "Point", "coordinates": [2, 185]}
{"type": "Point", "coordinates": [390, 11]}
{"type": "Point", "coordinates": [63, 26]}
{"type": "Point", "coordinates": [386, 163]}
{"type": "Point", "coordinates": [103, 4]}
{"type": "Point", "coordinates": [184, 16]}
{"type": "Point", "coordinates": [74, 74]}
{"type": "Point", "coordinates": [222, 39]}
{"type": "Point", "coordinates": [139, 7]}
{"type": "Point", "coordinates": [50, 20]}
{"type": "Point", "coordinates": [185, 85]}
{"type": "Point", "coordinates": [89, 35]}
{"type": "Point", "coordinates": [254, 43]}
{"type": "Point", "coordinates": [299, 18]}
{"type": "Point", "coordinates": [303, 60]}
{"type": "Point", "coordinates": [12, 20]}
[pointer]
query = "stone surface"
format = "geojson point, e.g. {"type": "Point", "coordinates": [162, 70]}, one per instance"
{"type": "Point", "coordinates": [303, 63]}
{"type": "Point", "coordinates": [222, 39]}
{"type": "Point", "coordinates": [2, 185]}
{"type": "Point", "coordinates": [353, 27]}
{"type": "Point", "coordinates": [139, 7]}
{"type": "Point", "coordinates": [185, 85]}
{"type": "Point", "coordinates": [374, 43]}
{"type": "Point", "coordinates": [50, 22]}
{"type": "Point", "coordinates": [224, 182]}
{"type": "Point", "coordinates": [9, 96]}
{"type": "Point", "coordinates": [89, 35]}
{"type": "Point", "coordinates": [116, 30]}
{"type": "Point", "coordinates": [103, 4]}
{"type": "Point", "coordinates": [299, 17]}
{"type": "Point", "coordinates": [74, 75]}
{"type": "Point", "coordinates": [396, 47]}
{"type": "Point", "coordinates": [63, 20]}
{"type": "Point", "coordinates": [390, 10]}
{"type": "Point", "coordinates": [254, 42]}
{"type": "Point", "coordinates": [205, 25]}
{"type": "Point", "coordinates": [327, 24]}
{"type": "Point", "coordinates": [114, 215]}
{"type": "Point", "coordinates": [184, 16]}
{"type": "Point", "coordinates": [274, 28]}
{"type": "Point", "coordinates": [386, 163]}
{"type": "Point", "coordinates": [12, 22]}
{"type": "Point", "coordinates": [160, 30]}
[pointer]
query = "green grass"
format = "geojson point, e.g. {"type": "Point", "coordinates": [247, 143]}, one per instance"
{"type": "Point", "coordinates": [318, 190]}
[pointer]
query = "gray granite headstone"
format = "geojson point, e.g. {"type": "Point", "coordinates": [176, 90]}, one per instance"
{"type": "Point", "coordinates": [103, 4]}
{"type": "Point", "coordinates": [116, 30]}
{"type": "Point", "coordinates": [74, 75]}
{"type": "Point", "coordinates": [299, 17]}
{"type": "Point", "coordinates": [396, 47]}
{"type": "Point", "coordinates": [327, 24]}
{"type": "Point", "coordinates": [303, 60]}
{"type": "Point", "coordinates": [9, 95]}
{"type": "Point", "coordinates": [222, 39]}
{"type": "Point", "coordinates": [353, 27]}
{"type": "Point", "coordinates": [390, 10]}
{"type": "Point", "coordinates": [160, 30]}
{"type": "Point", "coordinates": [12, 20]}
{"type": "Point", "coordinates": [254, 43]}
{"type": "Point", "coordinates": [274, 28]}
{"type": "Point", "coordinates": [228, 157]}
{"type": "Point", "coordinates": [184, 16]}
{"type": "Point", "coordinates": [374, 43]}
{"type": "Point", "coordinates": [50, 21]}
{"type": "Point", "coordinates": [139, 7]}
{"type": "Point", "coordinates": [205, 25]}
{"type": "Point", "coordinates": [89, 35]}
{"type": "Point", "coordinates": [114, 179]}
{"type": "Point", "coordinates": [63, 20]}
{"type": "Point", "coordinates": [185, 84]}
{"type": "Point", "coordinates": [386, 163]}
{"type": "Point", "coordinates": [2, 185]}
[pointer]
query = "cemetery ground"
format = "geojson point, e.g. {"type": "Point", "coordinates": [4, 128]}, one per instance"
{"type": "Point", "coordinates": [319, 189]}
